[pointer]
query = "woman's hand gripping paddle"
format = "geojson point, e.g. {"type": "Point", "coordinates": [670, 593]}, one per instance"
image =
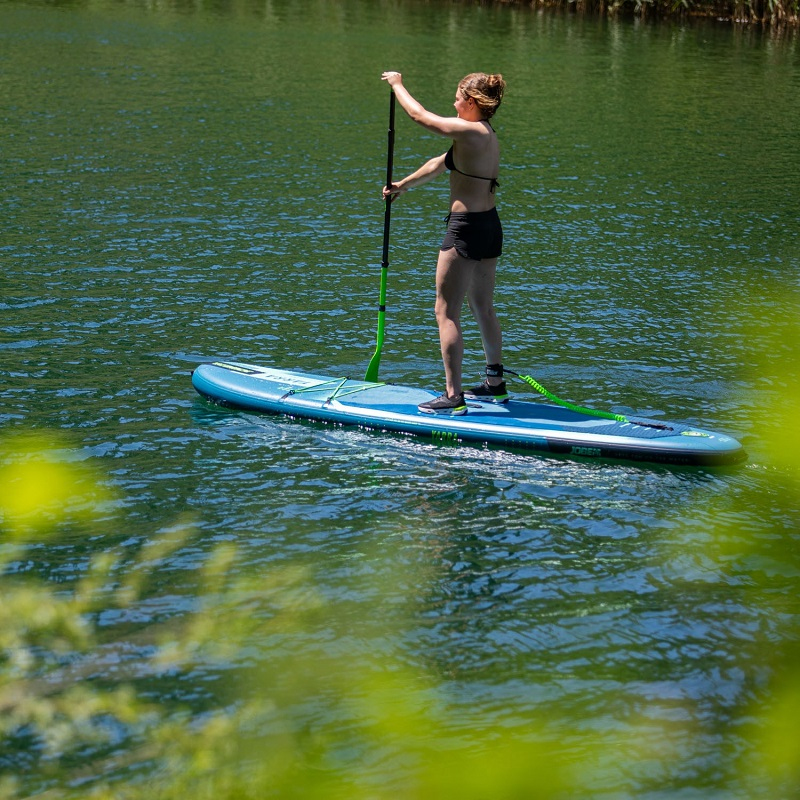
{"type": "Point", "coordinates": [374, 364]}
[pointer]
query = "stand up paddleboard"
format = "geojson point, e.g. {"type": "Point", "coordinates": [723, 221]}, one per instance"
{"type": "Point", "coordinates": [518, 424]}
{"type": "Point", "coordinates": [544, 428]}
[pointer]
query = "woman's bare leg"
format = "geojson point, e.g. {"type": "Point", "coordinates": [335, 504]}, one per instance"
{"type": "Point", "coordinates": [480, 295]}
{"type": "Point", "coordinates": [453, 278]}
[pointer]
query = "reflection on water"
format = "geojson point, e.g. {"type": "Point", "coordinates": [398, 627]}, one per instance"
{"type": "Point", "coordinates": [187, 183]}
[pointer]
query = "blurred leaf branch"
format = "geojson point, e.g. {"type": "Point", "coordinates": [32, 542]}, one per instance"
{"type": "Point", "coordinates": [330, 718]}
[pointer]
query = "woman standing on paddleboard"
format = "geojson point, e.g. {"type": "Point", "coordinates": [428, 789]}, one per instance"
{"type": "Point", "coordinates": [474, 239]}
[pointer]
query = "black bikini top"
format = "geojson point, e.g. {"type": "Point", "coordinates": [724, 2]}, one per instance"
{"type": "Point", "coordinates": [450, 163]}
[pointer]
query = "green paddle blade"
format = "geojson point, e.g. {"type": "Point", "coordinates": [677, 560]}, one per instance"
{"type": "Point", "coordinates": [375, 361]}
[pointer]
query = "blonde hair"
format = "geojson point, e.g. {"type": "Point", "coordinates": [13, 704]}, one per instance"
{"type": "Point", "coordinates": [485, 90]}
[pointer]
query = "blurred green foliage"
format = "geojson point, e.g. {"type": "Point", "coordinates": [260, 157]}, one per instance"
{"type": "Point", "coordinates": [83, 717]}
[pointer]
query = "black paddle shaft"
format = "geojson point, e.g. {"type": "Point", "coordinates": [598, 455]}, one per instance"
{"type": "Point", "coordinates": [387, 214]}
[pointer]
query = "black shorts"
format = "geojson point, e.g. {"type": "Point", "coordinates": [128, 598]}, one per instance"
{"type": "Point", "coordinates": [475, 234]}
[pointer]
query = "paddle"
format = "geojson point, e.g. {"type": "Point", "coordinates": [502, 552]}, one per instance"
{"type": "Point", "coordinates": [375, 362]}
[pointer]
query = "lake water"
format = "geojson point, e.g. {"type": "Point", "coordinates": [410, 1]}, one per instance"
{"type": "Point", "coordinates": [185, 182]}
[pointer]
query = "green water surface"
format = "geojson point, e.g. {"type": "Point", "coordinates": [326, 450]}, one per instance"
{"type": "Point", "coordinates": [184, 182]}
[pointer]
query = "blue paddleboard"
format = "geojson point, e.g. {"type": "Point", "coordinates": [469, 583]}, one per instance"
{"type": "Point", "coordinates": [522, 424]}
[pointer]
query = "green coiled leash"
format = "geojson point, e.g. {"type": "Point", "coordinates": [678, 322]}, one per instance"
{"type": "Point", "coordinates": [592, 412]}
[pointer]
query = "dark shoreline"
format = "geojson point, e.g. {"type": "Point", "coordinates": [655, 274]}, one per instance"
{"type": "Point", "coordinates": [742, 12]}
